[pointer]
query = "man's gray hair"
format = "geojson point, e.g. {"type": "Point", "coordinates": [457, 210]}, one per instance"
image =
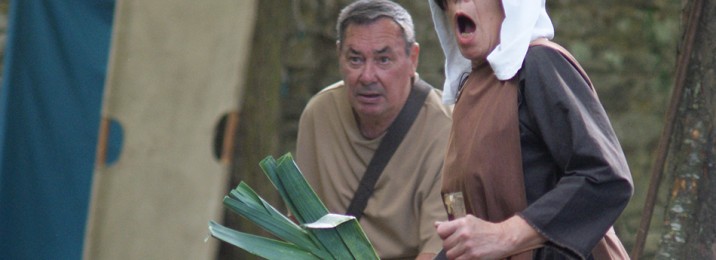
{"type": "Point", "coordinates": [365, 12]}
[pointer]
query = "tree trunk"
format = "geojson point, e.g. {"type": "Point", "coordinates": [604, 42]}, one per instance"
{"type": "Point", "coordinates": [259, 121]}
{"type": "Point", "coordinates": [690, 229]}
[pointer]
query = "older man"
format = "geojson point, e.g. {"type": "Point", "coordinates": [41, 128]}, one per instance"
{"type": "Point", "coordinates": [346, 124]}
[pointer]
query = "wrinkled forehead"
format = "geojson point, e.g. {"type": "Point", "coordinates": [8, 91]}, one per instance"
{"type": "Point", "coordinates": [383, 29]}
{"type": "Point", "coordinates": [384, 20]}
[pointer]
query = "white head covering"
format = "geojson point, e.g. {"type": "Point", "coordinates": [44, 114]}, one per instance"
{"type": "Point", "coordinates": [525, 21]}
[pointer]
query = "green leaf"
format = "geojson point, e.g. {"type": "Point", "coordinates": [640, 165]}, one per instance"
{"type": "Point", "coordinates": [300, 194]}
{"type": "Point", "coordinates": [356, 240]}
{"type": "Point", "coordinates": [247, 203]}
{"type": "Point", "coordinates": [268, 165]}
{"type": "Point", "coordinates": [321, 235]}
{"type": "Point", "coordinates": [260, 246]}
{"type": "Point", "coordinates": [308, 207]}
{"type": "Point", "coordinates": [351, 233]}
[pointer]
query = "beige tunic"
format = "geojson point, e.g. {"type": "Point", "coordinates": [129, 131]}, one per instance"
{"type": "Point", "coordinates": [333, 156]}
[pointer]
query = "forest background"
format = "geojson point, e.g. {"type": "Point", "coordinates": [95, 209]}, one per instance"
{"type": "Point", "coordinates": [627, 47]}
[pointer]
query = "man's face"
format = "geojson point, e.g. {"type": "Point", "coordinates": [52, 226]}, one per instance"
{"type": "Point", "coordinates": [376, 69]}
{"type": "Point", "coordinates": [476, 24]}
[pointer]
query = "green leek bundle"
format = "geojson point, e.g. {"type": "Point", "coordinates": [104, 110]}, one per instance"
{"type": "Point", "coordinates": [319, 234]}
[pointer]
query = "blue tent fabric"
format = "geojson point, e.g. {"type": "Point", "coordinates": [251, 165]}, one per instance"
{"type": "Point", "coordinates": [50, 103]}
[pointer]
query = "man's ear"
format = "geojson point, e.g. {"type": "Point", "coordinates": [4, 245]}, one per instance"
{"type": "Point", "coordinates": [415, 55]}
{"type": "Point", "coordinates": [338, 48]}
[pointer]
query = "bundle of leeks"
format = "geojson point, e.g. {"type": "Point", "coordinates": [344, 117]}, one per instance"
{"type": "Point", "coordinates": [318, 234]}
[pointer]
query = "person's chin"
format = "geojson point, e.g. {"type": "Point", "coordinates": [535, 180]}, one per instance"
{"type": "Point", "coordinates": [369, 110]}
{"type": "Point", "coordinates": [474, 53]}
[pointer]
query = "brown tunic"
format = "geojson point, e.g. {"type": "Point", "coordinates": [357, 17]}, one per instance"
{"type": "Point", "coordinates": [540, 145]}
{"type": "Point", "coordinates": [478, 144]}
{"type": "Point", "coordinates": [483, 159]}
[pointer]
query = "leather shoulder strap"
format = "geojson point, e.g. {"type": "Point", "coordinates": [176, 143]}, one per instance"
{"type": "Point", "coordinates": [567, 55]}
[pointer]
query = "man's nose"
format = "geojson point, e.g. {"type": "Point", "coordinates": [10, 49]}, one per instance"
{"type": "Point", "coordinates": [368, 74]}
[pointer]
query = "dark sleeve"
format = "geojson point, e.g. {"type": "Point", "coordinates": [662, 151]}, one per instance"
{"type": "Point", "coordinates": [588, 182]}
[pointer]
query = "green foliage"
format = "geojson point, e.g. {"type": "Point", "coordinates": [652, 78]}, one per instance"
{"type": "Point", "coordinates": [263, 247]}
{"type": "Point", "coordinates": [318, 234]}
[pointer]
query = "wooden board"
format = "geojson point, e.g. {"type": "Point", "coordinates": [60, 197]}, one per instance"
{"type": "Point", "coordinates": [175, 68]}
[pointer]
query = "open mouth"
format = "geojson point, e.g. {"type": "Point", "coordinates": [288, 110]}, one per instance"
{"type": "Point", "coordinates": [465, 25]}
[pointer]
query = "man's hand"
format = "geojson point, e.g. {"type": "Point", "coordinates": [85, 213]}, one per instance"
{"type": "Point", "coordinates": [473, 238]}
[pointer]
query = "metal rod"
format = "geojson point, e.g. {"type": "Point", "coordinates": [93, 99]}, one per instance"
{"type": "Point", "coordinates": [694, 15]}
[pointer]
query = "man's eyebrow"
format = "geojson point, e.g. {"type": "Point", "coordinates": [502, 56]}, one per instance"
{"type": "Point", "coordinates": [353, 51]}
{"type": "Point", "coordinates": [386, 49]}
